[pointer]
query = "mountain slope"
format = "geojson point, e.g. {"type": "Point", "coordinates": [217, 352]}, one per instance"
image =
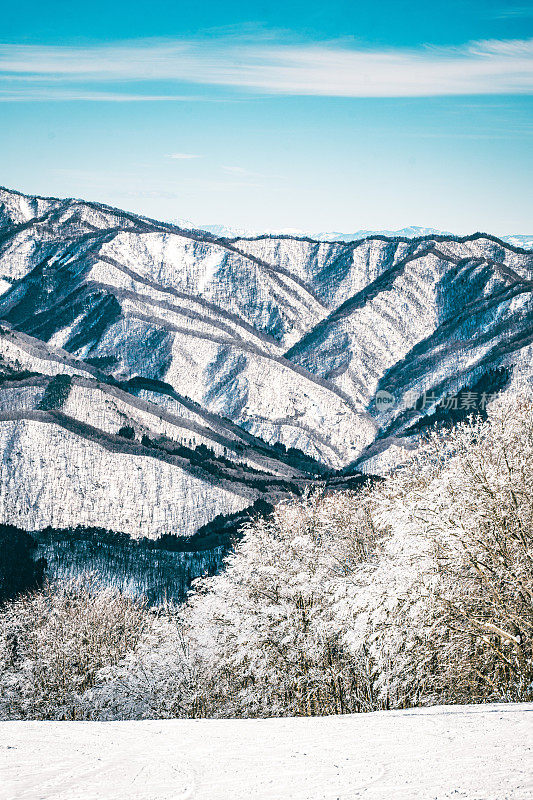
{"type": "Point", "coordinates": [209, 320]}
{"type": "Point", "coordinates": [80, 449]}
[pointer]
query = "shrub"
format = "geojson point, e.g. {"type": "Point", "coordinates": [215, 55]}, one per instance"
{"type": "Point", "coordinates": [127, 432]}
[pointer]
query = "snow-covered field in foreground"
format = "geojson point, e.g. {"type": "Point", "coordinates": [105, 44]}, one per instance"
{"type": "Point", "coordinates": [459, 752]}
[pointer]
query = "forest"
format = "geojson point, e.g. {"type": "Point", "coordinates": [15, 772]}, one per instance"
{"type": "Point", "coordinates": [157, 571]}
{"type": "Point", "coordinates": [413, 591]}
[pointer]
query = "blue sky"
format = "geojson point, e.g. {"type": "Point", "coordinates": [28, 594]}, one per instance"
{"type": "Point", "coordinates": [303, 115]}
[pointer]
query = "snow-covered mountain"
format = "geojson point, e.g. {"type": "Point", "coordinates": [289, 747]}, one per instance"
{"type": "Point", "coordinates": [230, 232]}
{"type": "Point", "coordinates": [155, 376]}
{"type": "Point", "coordinates": [412, 232]}
{"type": "Point", "coordinates": [520, 240]}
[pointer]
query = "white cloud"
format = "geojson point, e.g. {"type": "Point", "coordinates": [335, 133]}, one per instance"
{"type": "Point", "coordinates": [486, 67]}
{"type": "Point", "coordinates": [45, 94]}
{"type": "Point", "coordinates": [184, 156]}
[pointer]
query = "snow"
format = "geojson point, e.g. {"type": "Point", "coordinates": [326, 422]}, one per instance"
{"type": "Point", "coordinates": [210, 265]}
{"type": "Point", "coordinates": [51, 476]}
{"type": "Point", "coordinates": [440, 753]}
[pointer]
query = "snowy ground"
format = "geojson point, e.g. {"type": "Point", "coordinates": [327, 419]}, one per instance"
{"type": "Point", "coordinates": [445, 753]}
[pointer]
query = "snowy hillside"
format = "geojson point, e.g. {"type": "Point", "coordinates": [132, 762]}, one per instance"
{"type": "Point", "coordinates": [246, 347]}
{"type": "Point", "coordinates": [442, 753]}
{"type": "Point", "coordinates": [66, 461]}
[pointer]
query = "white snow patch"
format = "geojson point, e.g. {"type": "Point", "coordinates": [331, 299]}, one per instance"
{"type": "Point", "coordinates": [441, 753]}
{"type": "Point", "coordinates": [210, 266]}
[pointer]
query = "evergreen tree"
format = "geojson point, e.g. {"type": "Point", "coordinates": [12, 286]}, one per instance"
{"type": "Point", "coordinates": [19, 571]}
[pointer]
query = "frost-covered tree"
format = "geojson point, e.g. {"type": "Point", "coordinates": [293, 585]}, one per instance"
{"type": "Point", "coordinates": [161, 677]}
{"type": "Point", "coordinates": [416, 591]}
{"type": "Point", "coordinates": [448, 607]}
{"type": "Point", "coordinates": [54, 642]}
{"type": "Point", "coordinates": [264, 628]}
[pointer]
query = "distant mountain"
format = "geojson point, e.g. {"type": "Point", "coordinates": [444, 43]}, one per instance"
{"type": "Point", "coordinates": [323, 236]}
{"type": "Point", "coordinates": [154, 376]}
{"type": "Point", "coordinates": [236, 233]}
{"type": "Point", "coordinates": [413, 232]}
{"type": "Point", "coordinates": [410, 233]}
{"type": "Point", "coordinates": [520, 240]}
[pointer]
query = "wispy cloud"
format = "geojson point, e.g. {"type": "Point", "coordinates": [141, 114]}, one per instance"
{"type": "Point", "coordinates": [182, 156]}
{"type": "Point", "coordinates": [86, 72]}
{"type": "Point", "coordinates": [45, 94]}
{"type": "Point", "coordinates": [516, 12]}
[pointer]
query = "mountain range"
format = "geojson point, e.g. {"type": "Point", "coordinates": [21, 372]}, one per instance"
{"type": "Point", "coordinates": [153, 377]}
{"type": "Point", "coordinates": [412, 232]}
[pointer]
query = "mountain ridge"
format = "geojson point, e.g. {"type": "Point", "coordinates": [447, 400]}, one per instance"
{"type": "Point", "coordinates": [253, 348]}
